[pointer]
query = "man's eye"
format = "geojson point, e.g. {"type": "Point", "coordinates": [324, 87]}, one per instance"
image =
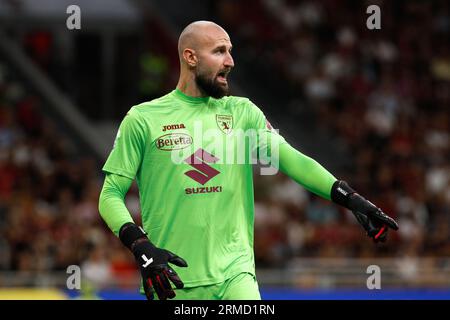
{"type": "Point", "coordinates": [220, 51]}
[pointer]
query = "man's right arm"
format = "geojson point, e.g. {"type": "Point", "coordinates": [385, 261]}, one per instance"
{"type": "Point", "coordinates": [153, 262]}
{"type": "Point", "coordinates": [111, 203]}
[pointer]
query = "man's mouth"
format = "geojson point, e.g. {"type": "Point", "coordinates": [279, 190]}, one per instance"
{"type": "Point", "coordinates": [222, 76]}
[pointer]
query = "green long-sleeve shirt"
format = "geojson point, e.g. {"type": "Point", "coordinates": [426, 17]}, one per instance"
{"type": "Point", "coordinates": [191, 158]}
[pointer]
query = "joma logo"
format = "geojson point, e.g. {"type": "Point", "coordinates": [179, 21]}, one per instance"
{"type": "Point", "coordinates": [173, 127]}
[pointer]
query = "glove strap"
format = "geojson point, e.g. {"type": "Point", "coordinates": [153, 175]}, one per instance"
{"type": "Point", "coordinates": [129, 233]}
{"type": "Point", "coordinates": [340, 192]}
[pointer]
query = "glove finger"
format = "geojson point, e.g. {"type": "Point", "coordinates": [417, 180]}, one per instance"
{"type": "Point", "coordinates": [167, 286]}
{"type": "Point", "coordinates": [163, 286]}
{"type": "Point", "coordinates": [391, 223]}
{"type": "Point", "coordinates": [361, 218]}
{"type": "Point", "coordinates": [372, 232]}
{"type": "Point", "coordinates": [381, 235]}
{"type": "Point", "coordinates": [173, 276]}
{"type": "Point", "coordinates": [148, 289]}
{"type": "Point", "coordinates": [368, 224]}
{"type": "Point", "coordinates": [176, 260]}
{"type": "Point", "coordinates": [373, 227]}
{"type": "Point", "coordinates": [159, 287]}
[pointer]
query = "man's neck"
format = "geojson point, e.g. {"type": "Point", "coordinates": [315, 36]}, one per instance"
{"type": "Point", "coordinates": [187, 85]}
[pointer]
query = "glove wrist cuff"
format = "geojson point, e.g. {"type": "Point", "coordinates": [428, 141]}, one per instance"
{"type": "Point", "coordinates": [340, 193]}
{"type": "Point", "coordinates": [130, 233]}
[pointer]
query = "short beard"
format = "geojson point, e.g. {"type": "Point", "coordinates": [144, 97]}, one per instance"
{"type": "Point", "coordinates": [210, 88]}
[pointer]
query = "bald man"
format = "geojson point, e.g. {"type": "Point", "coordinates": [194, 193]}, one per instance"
{"type": "Point", "coordinates": [204, 49]}
{"type": "Point", "coordinates": [191, 153]}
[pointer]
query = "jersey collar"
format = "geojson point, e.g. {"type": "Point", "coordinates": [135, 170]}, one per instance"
{"type": "Point", "coordinates": [195, 100]}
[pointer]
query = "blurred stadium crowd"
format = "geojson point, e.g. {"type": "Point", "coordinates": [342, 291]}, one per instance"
{"type": "Point", "coordinates": [384, 93]}
{"type": "Point", "coordinates": [49, 192]}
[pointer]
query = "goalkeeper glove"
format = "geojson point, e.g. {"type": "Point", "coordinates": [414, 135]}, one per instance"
{"type": "Point", "coordinates": [374, 221]}
{"type": "Point", "coordinates": [153, 262]}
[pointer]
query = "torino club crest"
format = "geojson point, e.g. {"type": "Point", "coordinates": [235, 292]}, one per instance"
{"type": "Point", "coordinates": [224, 122]}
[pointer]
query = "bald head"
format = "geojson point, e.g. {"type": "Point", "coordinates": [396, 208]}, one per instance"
{"type": "Point", "coordinates": [198, 34]}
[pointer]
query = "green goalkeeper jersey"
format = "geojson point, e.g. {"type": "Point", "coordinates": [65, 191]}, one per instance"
{"type": "Point", "coordinates": [192, 159]}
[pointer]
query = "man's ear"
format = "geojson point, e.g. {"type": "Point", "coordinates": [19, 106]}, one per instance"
{"type": "Point", "coordinates": [190, 57]}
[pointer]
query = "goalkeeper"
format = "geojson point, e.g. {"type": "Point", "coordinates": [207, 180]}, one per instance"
{"type": "Point", "coordinates": [196, 239]}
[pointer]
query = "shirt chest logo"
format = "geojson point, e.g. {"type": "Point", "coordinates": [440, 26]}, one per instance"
{"type": "Point", "coordinates": [173, 141]}
{"type": "Point", "coordinates": [225, 122]}
{"type": "Point", "coordinates": [173, 127]}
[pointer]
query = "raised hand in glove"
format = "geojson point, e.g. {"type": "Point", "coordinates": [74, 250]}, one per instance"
{"type": "Point", "coordinates": [374, 221]}
{"type": "Point", "coordinates": [153, 263]}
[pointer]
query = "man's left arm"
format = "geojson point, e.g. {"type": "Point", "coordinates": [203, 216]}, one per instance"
{"type": "Point", "coordinates": [315, 178]}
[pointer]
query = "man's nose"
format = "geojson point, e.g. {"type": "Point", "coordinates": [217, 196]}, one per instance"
{"type": "Point", "coordinates": [229, 62]}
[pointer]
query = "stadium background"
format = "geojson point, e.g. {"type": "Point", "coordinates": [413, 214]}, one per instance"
{"type": "Point", "coordinates": [370, 105]}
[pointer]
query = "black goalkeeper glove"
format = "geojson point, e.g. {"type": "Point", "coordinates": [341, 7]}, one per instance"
{"type": "Point", "coordinates": [373, 219]}
{"type": "Point", "coordinates": [153, 262]}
